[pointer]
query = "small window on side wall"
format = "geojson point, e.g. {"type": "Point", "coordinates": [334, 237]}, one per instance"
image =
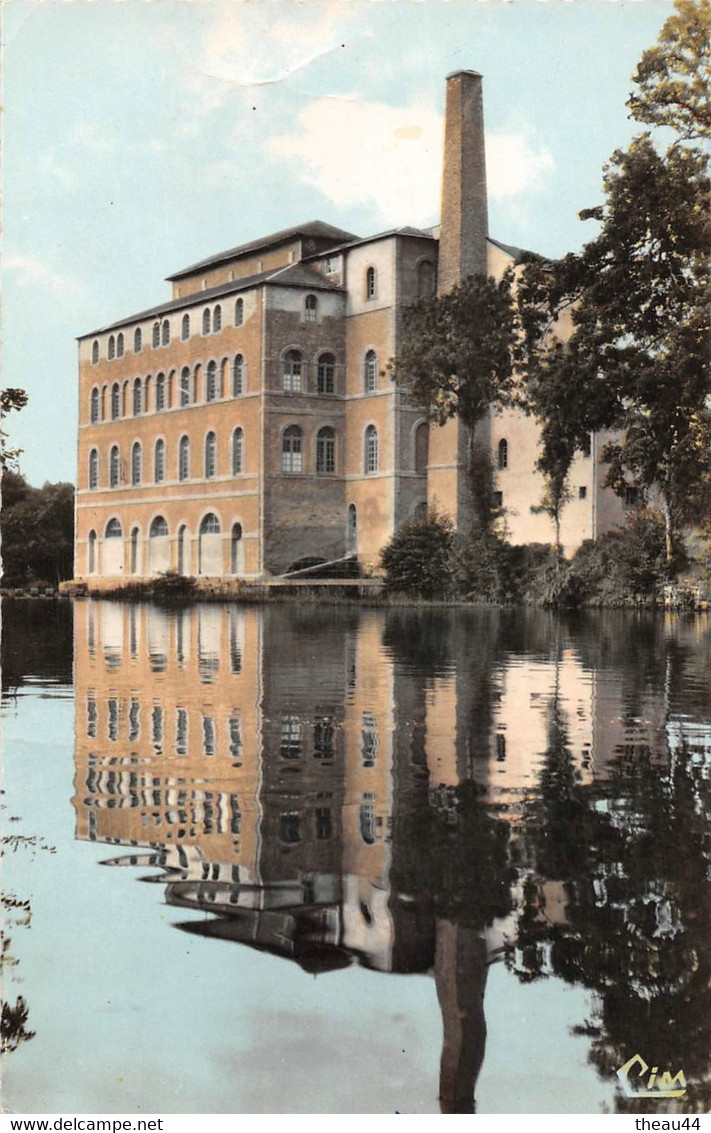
{"type": "Point", "coordinates": [239, 312]}
{"type": "Point", "coordinates": [370, 371]}
{"type": "Point", "coordinates": [137, 341]}
{"type": "Point", "coordinates": [93, 469]}
{"type": "Point", "coordinates": [112, 347]}
{"type": "Point", "coordinates": [94, 413]}
{"type": "Point", "coordinates": [185, 328]}
{"type": "Point", "coordinates": [119, 346]}
{"type": "Point", "coordinates": [310, 309]}
{"type": "Point", "coordinates": [206, 321]}
{"type": "Point", "coordinates": [217, 319]}
{"type": "Point", "coordinates": [372, 450]}
{"type": "Point", "coordinates": [503, 455]}
{"type": "Point", "coordinates": [165, 333]}
{"type": "Point", "coordinates": [94, 353]}
{"type": "Point", "coordinates": [155, 340]}
{"type": "Point", "coordinates": [370, 283]}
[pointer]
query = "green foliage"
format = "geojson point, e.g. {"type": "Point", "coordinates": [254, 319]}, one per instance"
{"type": "Point", "coordinates": [672, 77]}
{"type": "Point", "coordinates": [167, 589]}
{"type": "Point", "coordinates": [417, 560]}
{"type": "Point", "coordinates": [627, 565]}
{"type": "Point", "coordinates": [10, 399]}
{"type": "Point", "coordinates": [37, 527]}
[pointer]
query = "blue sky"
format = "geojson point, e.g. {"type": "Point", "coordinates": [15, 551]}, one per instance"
{"type": "Point", "coordinates": [143, 135]}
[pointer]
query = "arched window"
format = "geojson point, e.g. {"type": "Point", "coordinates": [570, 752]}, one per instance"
{"type": "Point", "coordinates": [165, 333]}
{"type": "Point", "coordinates": [94, 360]}
{"type": "Point", "coordinates": [112, 346]}
{"type": "Point", "coordinates": [196, 383]}
{"type": "Point", "coordinates": [93, 469]}
{"type": "Point", "coordinates": [137, 341]}
{"type": "Point", "coordinates": [184, 459]}
{"type": "Point", "coordinates": [370, 371]}
{"type": "Point", "coordinates": [169, 390]}
{"type": "Point", "coordinates": [206, 321]}
{"type": "Point", "coordinates": [137, 397]}
{"type": "Point", "coordinates": [156, 335]}
{"type": "Point", "coordinates": [370, 283]}
{"type": "Point", "coordinates": [210, 546]}
{"type": "Point", "coordinates": [210, 525]}
{"type": "Point", "coordinates": [185, 328]}
{"type": "Point", "coordinates": [326, 451]}
{"type": "Point", "coordinates": [210, 456]}
{"type": "Point", "coordinates": [421, 512]}
{"type": "Point", "coordinates": [372, 450]}
{"type": "Point", "coordinates": [422, 448]}
{"type": "Point", "coordinates": [94, 409]}
{"type": "Point", "coordinates": [158, 528]}
{"type": "Point", "coordinates": [293, 364]}
{"type": "Point", "coordinates": [114, 467]}
{"type": "Point", "coordinates": [136, 461]}
{"type": "Point", "coordinates": [503, 455]}
{"type": "Point", "coordinates": [114, 529]}
{"type": "Point", "coordinates": [119, 346]}
{"type": "Point", "coordinates": [185, 386]}
{"type": "Point", "coordinates": [159, 461]}
{"type": "Point", "coordinates": [239, 312]}
{"type": "Point", "coordinates": [104, 390]}
{"type": "Point", "coordinates": [160, 393]}
{"type": "Point", "coordinates": [217, 319]}
{"type": "Point", "coordinates": [124, 397]}
{"type": "Point", "coordinates": [92, 552]}
{"type": "Point", "coordinates": [325, 370]}
{"type": "Point", "coordinates": [310, 309]}
{"type": "Point", "coordinates": [147, 394]}
{"type": "Point", "coordinates": [134, 550]}
{"type": "Point", "coordinates": [237, 451]}
{"type": "Point", "coordinates": [236, 549]}
{"type": "Point", "coordinates": [291, 456]}
{"type": "Point", "coordinates": [182, 539]}
{"type": "Point", "coordinates": [238, 376]}
{"type": "Point", "coordinates": [222, 384]}
{"type": "Point", "coordinates": [211, 382]}
{"type": "Point", "coordinates": [425, 279]}
{"type": "Point", "coordinates": [115, 401]}
{"type": "Point", "coordinates": [352, 530]}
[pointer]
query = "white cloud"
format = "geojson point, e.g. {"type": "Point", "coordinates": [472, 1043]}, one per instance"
{"type": "Point", "coordinates": [359, 153]}
{"type": "Point", "coordinates": [89, 136]}
{"type": "Point", "coordinates": [31, 272]}
{"type": "Point", "coordinates": [239, 45]}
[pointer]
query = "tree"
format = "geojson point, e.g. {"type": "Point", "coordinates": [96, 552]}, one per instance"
{"type": "Point", "coordinates": [417, 560]}
{"type": "Point", "coordinates": [458, 354]}
{"type": "Point", "coordinates": [37, 531]}
{"type": "Point", "coordinates": [639, 298]}
{"type": "Point", "coordinates": [672, 77]}
{"type": "Point", "coordinates": [10, 399]}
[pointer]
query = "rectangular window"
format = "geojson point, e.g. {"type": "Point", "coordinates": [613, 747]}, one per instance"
{"type": "Point", "coordinates": [582, 492]}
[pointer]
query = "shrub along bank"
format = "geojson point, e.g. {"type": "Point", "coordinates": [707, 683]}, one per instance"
{"type": "Point", "coordinates": [427, 559]}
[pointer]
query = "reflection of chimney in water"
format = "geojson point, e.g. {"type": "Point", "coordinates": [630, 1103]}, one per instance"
{"type": "Point", "coordinates": [464, 224]}
{"type": "Point", "coordinates": [460, 976]}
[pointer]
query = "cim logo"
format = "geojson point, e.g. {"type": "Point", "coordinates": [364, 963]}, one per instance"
{"type": "Point", "coordinates": [656, 1086]}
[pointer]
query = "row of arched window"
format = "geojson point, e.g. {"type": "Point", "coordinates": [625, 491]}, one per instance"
{"type": "Point", "coordinates": [143, 395]}
{"type": "Point", "coordinates": [209, 525]}
{"type": "Point", "coordinates": [212, 323]}
{"type": "Point", "coordinates": [292, 457]}
{"type": "Point", "coordinates": [138, 474]}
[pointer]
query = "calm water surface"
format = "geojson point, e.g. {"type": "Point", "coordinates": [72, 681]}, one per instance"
{"type": "Point", "coordinates": [415, 861]}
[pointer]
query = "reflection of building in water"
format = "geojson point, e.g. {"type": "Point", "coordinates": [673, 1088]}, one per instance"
{"type": "Point", "coordinates": [338, 791]}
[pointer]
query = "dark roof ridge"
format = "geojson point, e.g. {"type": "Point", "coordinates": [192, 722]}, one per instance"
{"type": "Point", "coordinates": [316, 280]}
{"type": "Point", "coordinates": [317, 229]}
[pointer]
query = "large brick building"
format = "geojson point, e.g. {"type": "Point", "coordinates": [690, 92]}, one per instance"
{"type": "Point", "coordinates": [247, 424]}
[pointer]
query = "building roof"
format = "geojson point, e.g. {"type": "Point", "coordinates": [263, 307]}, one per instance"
{"type": "Point", "coordinates": [357, 241]}
{"type": "Point", "coordinates": [313, 229]}
{"type": "Point", "coordinates": [510, 250]}
{"type": "Point", "coordinates": [292, 275]}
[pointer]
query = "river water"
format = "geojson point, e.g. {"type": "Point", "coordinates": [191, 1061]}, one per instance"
{"type": "Point", "coordinates": [333, 860]}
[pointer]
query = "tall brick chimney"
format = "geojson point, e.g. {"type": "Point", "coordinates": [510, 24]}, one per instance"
{"type": "Point", "coordinates": [464, 224]}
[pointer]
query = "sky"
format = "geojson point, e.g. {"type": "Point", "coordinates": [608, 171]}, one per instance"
{"type": "Point", "coordinates": [141, 136]}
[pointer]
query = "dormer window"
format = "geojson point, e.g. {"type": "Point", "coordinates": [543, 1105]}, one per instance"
{"type": "Point", "coordinates": [310, 309]}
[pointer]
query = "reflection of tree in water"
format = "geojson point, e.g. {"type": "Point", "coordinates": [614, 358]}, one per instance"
{"type": "Point", "coordinates": [633, 852]}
